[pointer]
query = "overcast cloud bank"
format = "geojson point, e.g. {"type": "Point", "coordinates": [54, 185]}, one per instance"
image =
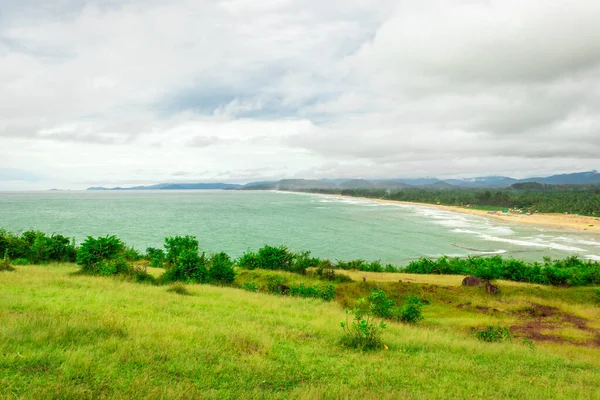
{"type": "Point", "coordinates": [136, 92]}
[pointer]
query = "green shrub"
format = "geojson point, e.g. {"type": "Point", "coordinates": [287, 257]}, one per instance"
{"type": "Point", "coordinates": [189, 267]}
{"type": "Point", "coordinates": [156, 257]}
{"type": "Point", "coordinates": [410, 312]}
{"type": "Point", "coordinates": [381, 305]}
{"type": "Point", "coordinates": [302, 261]}
{"type": "Point", "coordinates": [275, 285]}
{"type": "Point", "coordinates": [5, 263]}
{"type": "Point", "coordinates": [363, 332]}
{"type": "Point", "coordinates": [248, 260]}
{"type": "Point", "coordinates": [221, 269]}
{"type": "Point", "coordinates": [179, 288]}
{"type": "Point", "coordinates": [176, 246]}
{"type": "Point", "coordinates": [20, 261]}
{"type": "Point", "coordinates": [113, 266]}
{"type": "Point", "coordinates": [275, 258]}
{"type": "Point", "coordinates": [131, 254]}
{"type": "Point", "coordinates": [250, 286]}
{"type": "Point", "coordinates": [94, 251]}
{"type": "Point", "coordinates": [390, 268]}
{"type": "Point", "coordinates": [493, 334]}
{"type": "Point", "coordinates": [327, 292]}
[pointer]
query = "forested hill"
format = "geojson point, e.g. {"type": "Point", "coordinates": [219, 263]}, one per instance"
{"type": "Point", "coordinates": [583, 200]}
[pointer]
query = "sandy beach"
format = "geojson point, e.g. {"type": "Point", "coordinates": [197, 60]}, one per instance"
{"type": "Point", "coordinates": [567, 221]}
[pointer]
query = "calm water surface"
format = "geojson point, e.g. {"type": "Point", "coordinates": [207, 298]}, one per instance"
{"type": "Point", "coordinates": [234, 221]}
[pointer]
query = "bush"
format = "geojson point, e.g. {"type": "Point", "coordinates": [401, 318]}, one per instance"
{"type": "Point", "coordinates": [94, 251]}
{"type": "Point", "coordinates": [381, 305]}
{"type": "Point", "coordinates": [250, 286]}
{"type": "Point", "coordinates": [180, 289]}
{"type": "Point", "coordinates": [363, 333]}
{"type": "Point", "coordinates": [248, 260]}
{"type": "Point", "coordinates": [176, 246]}
{"type": "Point", "coordinates": [221, 269]}
{"type": "Point", "coordinates": [275, 285]}
{"type": "Point", "coordinates": [113, 266]}
{"type": "Point", "coordinates": [275, 258]}
{"type": "Point", "coordinates": [493, 334]}
{"type": "Point", "coordinates": [189, 267]}
{"type": "Point", "coordinates": [410, 312]}
{"type": "Point", "coordinates": [5, 263]}
{"type": "Point", "coordinates": [20, 261]}
{"type": "Point", "coordinates": [323, 292]}
{"type": "Point", "coordinates": [132, 254]}
{"type": "Point", "coordinates": [156, 257]}
{"type": "Point", "coordinates": [302, 261]}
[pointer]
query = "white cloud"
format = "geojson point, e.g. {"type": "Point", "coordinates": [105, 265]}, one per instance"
{"type": "Point", "coordinates": [97, 91]}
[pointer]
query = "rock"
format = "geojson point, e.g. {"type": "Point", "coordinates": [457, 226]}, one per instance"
{"type": "Point", "coordinates": [491, 289]}
{"type": "Point", "coordinates": [471, 281]}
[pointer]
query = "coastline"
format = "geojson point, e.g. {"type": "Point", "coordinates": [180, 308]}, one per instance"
{"type": "Point", "coordinates": [565, 221]}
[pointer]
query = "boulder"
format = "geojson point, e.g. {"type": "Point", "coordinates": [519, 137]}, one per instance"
{"type": "Point", "coordinates": [471, 281]}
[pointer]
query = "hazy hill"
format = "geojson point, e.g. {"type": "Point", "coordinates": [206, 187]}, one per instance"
{"type": "Point", "coordinates": [578, 178]}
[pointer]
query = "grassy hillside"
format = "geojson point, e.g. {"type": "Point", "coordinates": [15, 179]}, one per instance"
{"type": "Point", "coordinates": [69, 336]}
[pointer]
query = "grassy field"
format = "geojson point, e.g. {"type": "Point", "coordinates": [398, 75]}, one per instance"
{"type": "Point", "coordinates": [67, 336]}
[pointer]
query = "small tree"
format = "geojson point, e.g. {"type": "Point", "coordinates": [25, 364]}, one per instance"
{"type": "Point", "coordinates": [221, 269]}
{"type": "Point", "coordinates": [363, 332]}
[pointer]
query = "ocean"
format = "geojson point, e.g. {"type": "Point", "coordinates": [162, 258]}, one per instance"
{"type": "Point", "coordinates": [332, 227]}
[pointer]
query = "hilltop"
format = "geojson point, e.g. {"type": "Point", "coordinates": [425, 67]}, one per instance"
{"type": "Point", "coordinates": [497, 182]}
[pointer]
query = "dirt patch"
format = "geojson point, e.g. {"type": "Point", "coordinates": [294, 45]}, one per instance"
{"type": "Point", "coordinates": [547, 319]}
{"type": "Point", "coordinates": [463, 305]}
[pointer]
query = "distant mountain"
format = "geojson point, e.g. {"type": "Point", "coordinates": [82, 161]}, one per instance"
{"type": "Point", "coordinates": [578, 178]}
{"type": "Point", "coordinates": [176, 186]}
{"type": "Point", "coordinates": [293, 184]}
{"type": "Point", "coordinates": [356, 184]}
{"type": "Point", "coordinates": [483, 182]}
{"type": "Point", "coordinates": [437, 185]}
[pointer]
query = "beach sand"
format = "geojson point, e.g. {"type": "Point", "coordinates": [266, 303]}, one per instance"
{"type": "Point", "coordinates": [567, 221]}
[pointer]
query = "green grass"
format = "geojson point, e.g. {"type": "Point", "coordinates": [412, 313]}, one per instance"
{"type": "Point", "coordinates": [65, 336]}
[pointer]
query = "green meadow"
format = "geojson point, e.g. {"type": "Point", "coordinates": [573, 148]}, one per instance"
{"type": "Point", "coordinates": [64, 335]}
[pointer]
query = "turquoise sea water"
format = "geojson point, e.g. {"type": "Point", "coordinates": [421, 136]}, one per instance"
{"type": "Point", "coordinates": [234, 221]}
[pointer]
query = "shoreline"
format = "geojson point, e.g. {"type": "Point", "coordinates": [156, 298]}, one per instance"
{"type": "Point", "coordinates": [564, 221]}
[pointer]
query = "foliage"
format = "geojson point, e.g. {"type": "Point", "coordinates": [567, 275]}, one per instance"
{"type": "Point", "coordinates": [131, 254]}
{"type": "Point", "coordinates": [179, 288]}
{"type": "Point", "coordinates": [324, 292]}
{"type": "Point", "coordinates": [302, 261]}
{"type": "Point", "coordinates": [381, 305]}
{"type": "Point", "coordinates": [188, 267]}
{"type": "Point", "coordinates": [221, 269]}
{"type": "Point", "coordinates": [547, 199]}
{"type": "Point", "coordinates": [571, 271]}
{"type": "Point", "coordinates": [176, 246]}
{"type": "Point", "coordinates": [250, 286]}
{"type": "Point", "coordinates": [248, 260]}
{"type": "Point", "coordinates": [113, 266]}
{"type": "Point", "coordinates": [37, 248]}
{"type": "Point", "coordinates": [597, 295]}
{"type": "Point", "coordinates": [493, 334]}
{"type": "Point", "coordinates": [94, 252]}
{"type": "Point", "coordinates": [5, 263]}
{"type": "Point", "coordinates": [156, 257]}
{"type": "Point", "coordinates": [410, 312]}
{"type": "Point", "coordinates": [363, 332]}
{"type": "Point", "coordinates": [275, 258]}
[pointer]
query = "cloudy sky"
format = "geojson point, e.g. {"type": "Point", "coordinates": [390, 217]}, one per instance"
{"type": "Point", "coordinates": [143, 91]}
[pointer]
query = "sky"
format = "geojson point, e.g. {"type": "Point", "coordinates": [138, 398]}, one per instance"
{"type": "Point", "coordinates": [134, 92]}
